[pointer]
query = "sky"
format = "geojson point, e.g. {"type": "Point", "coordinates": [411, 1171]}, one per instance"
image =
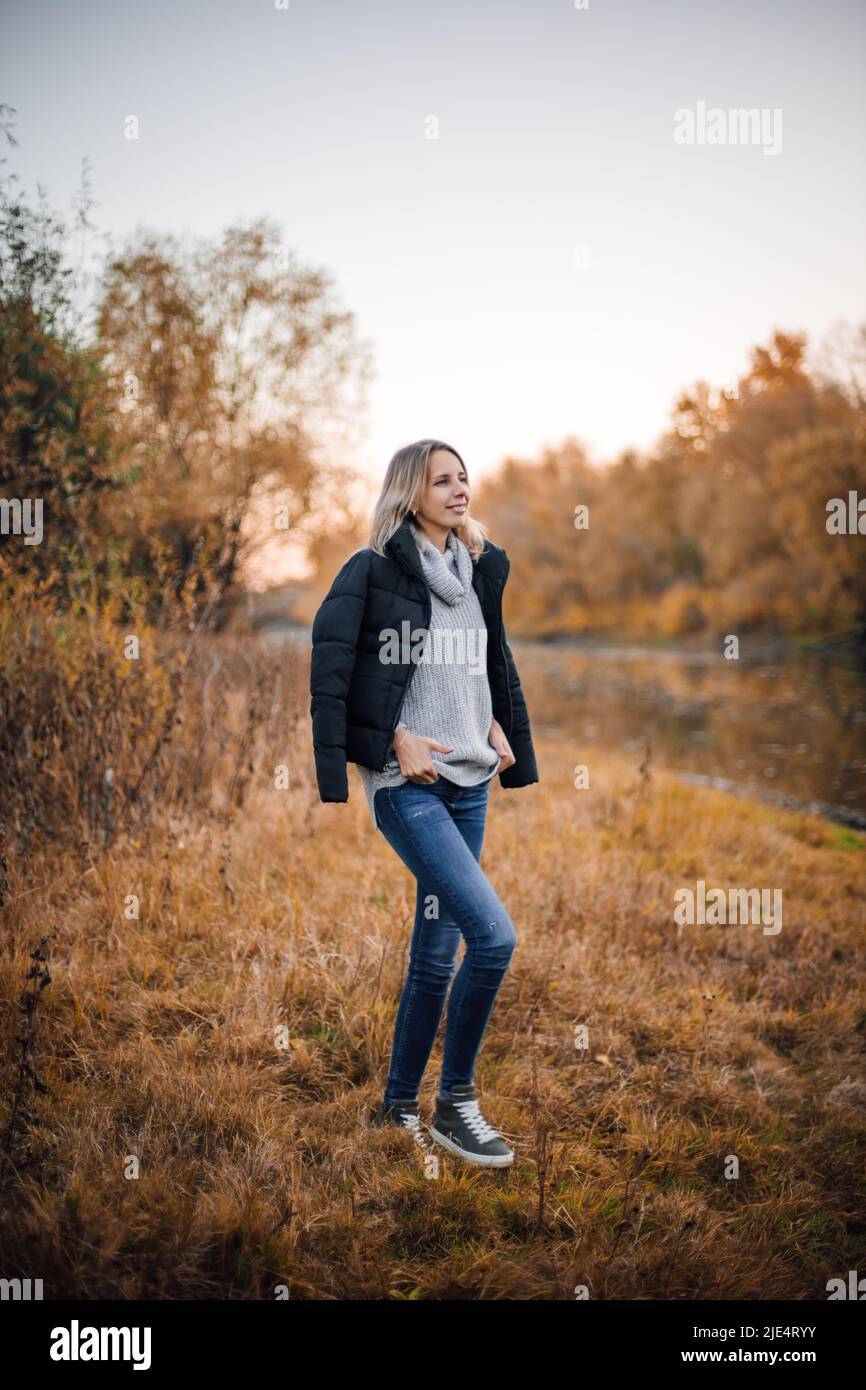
{"type": "Point", "coordinates": [554, 263]}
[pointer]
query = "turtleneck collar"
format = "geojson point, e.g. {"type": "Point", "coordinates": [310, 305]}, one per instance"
{"type": "Point", "coordinates": [450, 584]}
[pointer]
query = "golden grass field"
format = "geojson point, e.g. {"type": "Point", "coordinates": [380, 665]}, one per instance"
{"type": "Point", "coordinates": [158, 1038]}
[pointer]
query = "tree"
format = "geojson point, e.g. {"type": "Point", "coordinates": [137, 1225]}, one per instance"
{"type": "Point", "coordinates": [57, 444]}
{"type": "Point", "coordinates": [229, 367]}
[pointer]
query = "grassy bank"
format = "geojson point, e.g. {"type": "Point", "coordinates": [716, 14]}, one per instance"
{"type": "Point", "coordinates": [159, 1038]}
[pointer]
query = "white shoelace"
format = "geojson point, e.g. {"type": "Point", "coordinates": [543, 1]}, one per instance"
{"type": "Point", "coordinates": [409, 1120]}
{"type": "Point", "coordinates": [475, 1120]}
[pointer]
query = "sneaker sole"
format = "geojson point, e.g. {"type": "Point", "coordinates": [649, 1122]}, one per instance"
{"type": "Point", "coordinates": [481, 1160]}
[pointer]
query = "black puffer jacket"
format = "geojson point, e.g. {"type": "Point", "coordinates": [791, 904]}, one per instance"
{"type": "Point", "coordinates": [356, 698]}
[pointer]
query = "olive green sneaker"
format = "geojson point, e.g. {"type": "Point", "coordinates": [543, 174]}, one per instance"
{"type": "Point", "coordinates": [404, 1114]}
{"type": "Point", "coordinates": [458, 1125]}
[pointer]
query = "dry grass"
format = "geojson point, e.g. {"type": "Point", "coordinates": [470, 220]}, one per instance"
{"type": "Point", "coordinates": [159, 1039]}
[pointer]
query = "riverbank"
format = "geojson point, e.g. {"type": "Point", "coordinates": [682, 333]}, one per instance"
{"type": "Point", "coordinates": [777, 724]}
{"type": "Point", "coordinates": [234, 1038]}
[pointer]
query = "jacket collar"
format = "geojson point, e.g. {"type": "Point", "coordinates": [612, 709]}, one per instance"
{"type": "Point", "coordinates": [492, 561]}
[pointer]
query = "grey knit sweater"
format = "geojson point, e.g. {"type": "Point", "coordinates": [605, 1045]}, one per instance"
{"type": "Point", "coordinates": [448, 698]}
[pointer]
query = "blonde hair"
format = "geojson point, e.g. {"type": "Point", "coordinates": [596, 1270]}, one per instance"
{"type": "Point", "coordinates": [404, 482]}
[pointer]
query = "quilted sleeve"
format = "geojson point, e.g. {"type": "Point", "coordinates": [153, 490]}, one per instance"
{"type": "Point", "coordinates": [525, 769]}
{"type": "Point", "coordinates": [335, 637]}
{"type": "Point", "coordinates": [520, 726]}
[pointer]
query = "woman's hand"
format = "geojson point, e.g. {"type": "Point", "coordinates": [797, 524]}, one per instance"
{"type": "Point", "coordinates": [413, 755]}
{"type": "Point", "coordinates": [496, 738]}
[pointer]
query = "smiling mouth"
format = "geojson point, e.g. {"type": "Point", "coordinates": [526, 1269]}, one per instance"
{"type": "Point", "coordinates": [457, 507]}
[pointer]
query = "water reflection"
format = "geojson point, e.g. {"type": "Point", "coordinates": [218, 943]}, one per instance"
{"type": "Point", "coordinates": [788, 727]}
{"type": "Point", "coordinates": [776, 724]}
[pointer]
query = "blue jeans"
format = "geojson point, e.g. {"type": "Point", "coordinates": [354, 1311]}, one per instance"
{"type": "Point", "coordinates": [437, 829]}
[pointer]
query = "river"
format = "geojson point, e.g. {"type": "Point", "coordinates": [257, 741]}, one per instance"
{"type": "Point", "coordinates": [781, 724]}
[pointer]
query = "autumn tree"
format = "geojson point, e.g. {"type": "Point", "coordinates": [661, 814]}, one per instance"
{"type": "Point", "coordinates": [57, 443]}
{"type": "Point", "coordinates": [721, 527]}
{"type": "Point", "coordinates": [231, 368]}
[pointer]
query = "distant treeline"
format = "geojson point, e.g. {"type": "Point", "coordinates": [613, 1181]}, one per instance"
{"type": "Point", "coordinates": [722, 528]}
{"type": "Point", "coordinates": [183, 422]}
{"type": "Point", "coordinates": [167, 413]}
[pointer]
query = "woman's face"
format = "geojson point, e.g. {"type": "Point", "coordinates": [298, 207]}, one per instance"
{"type": "Point", "coordinates": [445, 499]}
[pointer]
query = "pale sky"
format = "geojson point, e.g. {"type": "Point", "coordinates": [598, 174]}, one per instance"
{"type": "Point", "coordinates": [459, 255]}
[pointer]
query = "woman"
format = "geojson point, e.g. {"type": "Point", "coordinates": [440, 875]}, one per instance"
{"type": "Point", "coordinates": [410, 659]}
